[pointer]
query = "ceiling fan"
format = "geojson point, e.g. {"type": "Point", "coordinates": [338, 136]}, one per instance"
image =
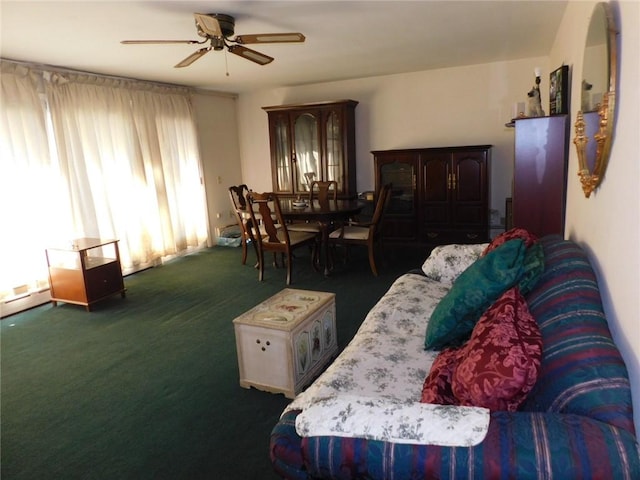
{"type": "Point", "coordinates": [218, 29]}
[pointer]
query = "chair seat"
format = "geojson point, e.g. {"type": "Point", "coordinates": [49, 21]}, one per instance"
{"type": "Point", "coordinates": [351, 232]}
{"type": "Point", "coordinates": [296, 237]}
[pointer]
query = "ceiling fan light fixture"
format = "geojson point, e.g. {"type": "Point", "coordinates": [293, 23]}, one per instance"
{"type": "Point", "coordinates": [217, 43]}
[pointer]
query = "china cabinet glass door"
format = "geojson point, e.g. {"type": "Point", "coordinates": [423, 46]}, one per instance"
{"type": "Point", "coordinates": [282, 152]}
{"type": "Point", "coordinates": [402, 176]}
{"type": "Point", "coordinates": [333, 148]}
{"type": "Point", "coordinates": [307, 154]}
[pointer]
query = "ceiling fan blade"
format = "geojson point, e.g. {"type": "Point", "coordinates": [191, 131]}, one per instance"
{"type": "Point", "coordinates": [208, 24]}
{"type": "Point", "coordinates": [144, 42]}
{"type": "Point", "coordinates": [244, 52]}
{"type": "Point", "coordinates": [192, 58]}
{"type": "Point", "coordinates": [294, 37]}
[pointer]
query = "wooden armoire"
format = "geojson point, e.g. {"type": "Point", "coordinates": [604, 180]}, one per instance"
{"type": "Point", "coordinates": [439, 195]}
{"type": "Point", "coordinates": [540, 174]}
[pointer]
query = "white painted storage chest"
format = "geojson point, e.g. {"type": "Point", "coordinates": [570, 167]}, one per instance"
{"type": "Point", "coordinates": [284, 342]}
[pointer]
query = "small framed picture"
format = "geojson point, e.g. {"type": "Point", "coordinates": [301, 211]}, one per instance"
{"type": "Point", "coordinates": [559, 91]}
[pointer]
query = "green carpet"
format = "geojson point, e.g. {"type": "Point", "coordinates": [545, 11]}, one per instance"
{"type": "Point", "coordinates": [146, 387]}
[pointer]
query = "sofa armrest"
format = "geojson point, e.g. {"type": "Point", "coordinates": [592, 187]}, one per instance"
{"type": "Point", "coordinates": [285, 449]}
{"type": "Point", "coordinates": [523, 445]}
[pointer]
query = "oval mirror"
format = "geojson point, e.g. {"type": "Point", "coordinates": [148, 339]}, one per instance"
{"type": "Point", "coordinates": [595, 120]}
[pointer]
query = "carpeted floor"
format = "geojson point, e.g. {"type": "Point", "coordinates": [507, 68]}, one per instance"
{"type": "Point", "coordinates": [146, 387]}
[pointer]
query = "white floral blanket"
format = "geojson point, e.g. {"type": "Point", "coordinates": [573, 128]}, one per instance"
{"type": "Point", "coordinates": [377, 380]}
{"type": "Point", "coordinates": [379, 419]}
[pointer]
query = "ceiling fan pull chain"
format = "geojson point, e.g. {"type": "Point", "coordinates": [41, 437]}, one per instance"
{"type": "Point", "coordinates": [226, 62]}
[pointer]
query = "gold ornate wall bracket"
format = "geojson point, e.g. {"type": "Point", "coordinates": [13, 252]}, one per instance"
{"type": "Point", "coordinates": [589, 182]}
{"type": "Point", "coordinates": [580, 141]}
{"type": "Point", "coordinates": [590, 179]}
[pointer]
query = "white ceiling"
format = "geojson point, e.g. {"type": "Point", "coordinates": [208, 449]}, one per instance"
{"type": "Point", "coordinates": [344, 39]}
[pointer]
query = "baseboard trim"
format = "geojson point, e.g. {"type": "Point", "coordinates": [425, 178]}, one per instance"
{"type": "Point", "coordinates": [24, 302]}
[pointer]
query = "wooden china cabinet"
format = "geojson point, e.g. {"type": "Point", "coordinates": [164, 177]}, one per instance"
{"type": "Point", "coordinates": [439, 195]}
{"type": "Point", "coordinates": [313, 141]}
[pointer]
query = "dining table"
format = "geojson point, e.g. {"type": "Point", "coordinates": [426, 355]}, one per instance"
{"type": "Point", "coordinates": [325, 214]}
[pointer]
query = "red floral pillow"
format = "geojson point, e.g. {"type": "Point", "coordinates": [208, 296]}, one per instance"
{"type": "Point", "coordinates": [500, 363]}
{"type": "Point", "coordinates": [437, 385]}
{"type": "Point", "coordinates": [497, 367]}
{"type": "Point", "coordinates": [528, 238]}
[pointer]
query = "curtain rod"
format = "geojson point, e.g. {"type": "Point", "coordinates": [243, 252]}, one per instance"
{"type": "Point", "coordinates": [58, 69]}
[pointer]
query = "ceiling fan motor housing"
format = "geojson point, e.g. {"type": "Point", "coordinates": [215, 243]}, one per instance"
{"type": "Point", "coordinates": [227, 23]}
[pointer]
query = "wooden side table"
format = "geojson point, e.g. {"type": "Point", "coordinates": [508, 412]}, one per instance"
{"type": "Point", "coordinates": [284, 342]}
{"type": "Point", "coordinates": [85, 272]}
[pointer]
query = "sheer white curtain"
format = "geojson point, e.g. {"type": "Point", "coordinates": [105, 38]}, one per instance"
{"type": "Point", "coordinates": [307, 150]}
{"type": "Point", "coordinates": [131, 158]}
{"type": "Point", "coordinates": [33, 199]}
{"type": "Point", "coordinates": [124, 164]}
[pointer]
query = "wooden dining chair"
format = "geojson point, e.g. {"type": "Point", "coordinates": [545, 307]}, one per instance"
{"type": "Point", "coordinates": [237, 194]}
{"type": "Point", "coordinates": [275, 237]}
{"type": "Point", "coordinates": [323, 192]}
{"type": "Point", "coordinates": [368, 234]}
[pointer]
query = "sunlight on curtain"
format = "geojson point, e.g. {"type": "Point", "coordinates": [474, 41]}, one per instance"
{"type": "Point", "coordinates": [33, 200]}
{"type": "Point", "coordinates": [183, 203]}
{"type": "Point", "coordinates": [124, 164]}
{"type": "Point", "coordinates": [132, 162]}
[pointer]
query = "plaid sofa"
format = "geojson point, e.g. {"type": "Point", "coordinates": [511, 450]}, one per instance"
{"type": "Point", "coordinates": [577, 423]}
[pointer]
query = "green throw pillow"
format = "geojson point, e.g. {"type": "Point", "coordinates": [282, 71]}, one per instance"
{"type": "Point", "coordinates": [532, 268]}
{"type": "Point", "coordinates": [473, 292]}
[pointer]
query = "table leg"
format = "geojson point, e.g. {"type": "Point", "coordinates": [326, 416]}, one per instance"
{"type": "Point", "coordinates": [324, 228]}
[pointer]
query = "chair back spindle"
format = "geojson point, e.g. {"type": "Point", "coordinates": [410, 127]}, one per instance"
{"type": "Point", "coordinates": [323, 191]}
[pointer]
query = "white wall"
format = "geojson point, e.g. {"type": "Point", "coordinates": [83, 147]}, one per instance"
{"type": "Point", "coordinates": [457, 106]}
{"type": "Point", "coordinates": [608, 223]}
{"type": "Point", "coordinates": [219, 153]}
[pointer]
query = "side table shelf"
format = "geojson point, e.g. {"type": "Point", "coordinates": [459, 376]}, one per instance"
{"type": "Point", "coordinates": [85, 272]}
